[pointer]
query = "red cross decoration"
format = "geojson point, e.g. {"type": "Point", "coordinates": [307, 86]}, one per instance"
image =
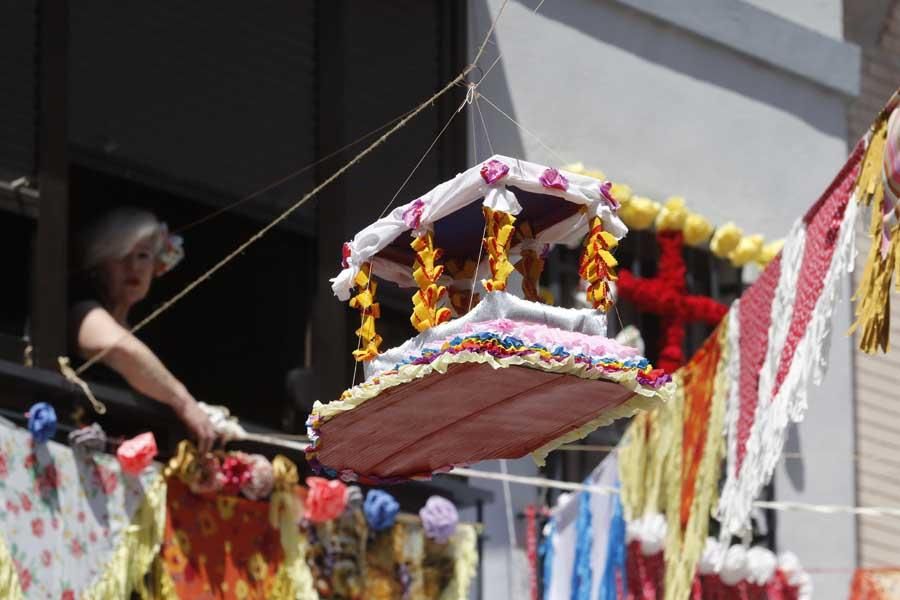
{"type": "Point", "coordinates": [666, 295]}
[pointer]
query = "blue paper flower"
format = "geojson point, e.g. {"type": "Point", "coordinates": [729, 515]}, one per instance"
{"type": "Point", "coordinates": [42, 422]}
{"type": "Point", "coordinates": [380, 509]}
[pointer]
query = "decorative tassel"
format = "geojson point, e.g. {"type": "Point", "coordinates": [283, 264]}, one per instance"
{"type": "Point", "coordinates": [530, 266]}
{"type": "Point", "coordinates": [426, 313]}
{"type": "Point", "coordinates": [497, 239]}
{"type": "Point", "coordinates": [598, 265]}
{"type": "Point", "coordinates": [873, 297]}
{"type": "Point", "coordinates": [365, 303]}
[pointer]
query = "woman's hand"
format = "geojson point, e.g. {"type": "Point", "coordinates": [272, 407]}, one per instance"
{"type": "Point", "coordinates": [198, 424]}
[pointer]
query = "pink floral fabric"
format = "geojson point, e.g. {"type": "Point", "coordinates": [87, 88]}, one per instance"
{"type": "Point", "coordinates": [62, 512]}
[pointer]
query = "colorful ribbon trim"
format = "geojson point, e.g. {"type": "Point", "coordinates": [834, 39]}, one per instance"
{"type": "Point", "coordinates": [426, 313]}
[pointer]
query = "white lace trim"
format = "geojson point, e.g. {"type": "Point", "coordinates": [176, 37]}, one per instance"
{"type": "Point", "coordinates": [732, 397]}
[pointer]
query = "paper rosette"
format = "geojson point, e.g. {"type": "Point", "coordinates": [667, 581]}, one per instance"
{"type": "Point", "coordinates": [511, 377]}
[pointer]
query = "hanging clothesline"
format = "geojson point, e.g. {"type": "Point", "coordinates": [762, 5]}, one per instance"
{"type": "Point", "coordinates": [542, 482]}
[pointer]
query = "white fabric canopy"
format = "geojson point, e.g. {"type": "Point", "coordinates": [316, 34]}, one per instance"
{"type": "Point", "coordinates": [464, 189]}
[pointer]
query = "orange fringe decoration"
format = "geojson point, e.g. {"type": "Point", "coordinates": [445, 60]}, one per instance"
{"type": "Point", "coordinates": [598, 265]}
{"type": "Point", "coordinates": [497, 239]}
{"type": "Point", "coordinates": [364, 301]}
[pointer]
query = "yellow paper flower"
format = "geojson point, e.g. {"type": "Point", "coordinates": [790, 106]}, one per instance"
{"type": "Point", "coordinates": [621, 192]}
{"type": "Point", "coordinates": [672, 216]}
{"type": "Point", "coordinates": [638, 212]}
{"type": "Point", "coordinates": [696, 229]}
{"type": "Point", "coordinates": [725, 239]}
{"type": "Point", "coordinates": [747, 250]}
{"type": "Point", "coordinates": [769, 251]}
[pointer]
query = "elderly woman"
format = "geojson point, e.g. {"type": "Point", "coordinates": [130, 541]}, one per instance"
{"type": "Point", "coordinates": [120, 255]}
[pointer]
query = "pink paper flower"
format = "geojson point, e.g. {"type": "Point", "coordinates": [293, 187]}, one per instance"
{"type": "Point", "coordinates": [553, 179]}
{"type": "Point", "coordinates": [37, 527]}
{"type": "Point", "coordinates": [25, 501]}
{"type": "Point", "coordinates": [412, 216]}
{"type": "Point", "coordinates": [46, 558]}
{"type": "Point", "coordinates": [493, 171]}
{"type": "Point", "coordinates": [137, 453]}
{"type": "Point", "coordinates": [326, 499]}
{"type": "Point", "coordinates": [606, 192]}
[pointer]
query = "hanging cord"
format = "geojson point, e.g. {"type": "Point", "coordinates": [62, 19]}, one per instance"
{"type": "Point", "coordinates": [386, 208]}
{"type": "Point", "coordinates": [285, 214]}
{"type": "Point", "coordinates": [523, 128]}
{"type": "Point", "coordinates": [286, 178]}
{"type": "Point", "coordinates": [510, 524]}
{"type": "Point", "coordinates": [542, 482]}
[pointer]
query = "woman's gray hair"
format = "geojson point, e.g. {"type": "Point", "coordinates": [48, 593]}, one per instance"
{"type": "Point", "coordinates": [116, 233]}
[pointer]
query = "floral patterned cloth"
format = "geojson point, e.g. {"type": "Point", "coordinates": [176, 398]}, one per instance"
{"type": "Point", "coordinates": [221, 546]}
{"type": "Point", "coordinates": [62, 512]}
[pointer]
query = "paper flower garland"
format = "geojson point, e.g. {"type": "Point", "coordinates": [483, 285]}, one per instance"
{"type": "Point", "coordinates": [41, 422]}
{"type": "Point", "coordinates": [728, 241]}
{"type": "Point", "coordinates": [439, 519]}
{"type": "Point", "coordinates": [380, 509]}
{"type": "Point", "coordinates": [137, 453]}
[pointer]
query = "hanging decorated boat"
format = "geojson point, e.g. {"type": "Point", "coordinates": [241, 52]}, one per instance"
{"type": "Point", "coordinates": [494, 372]}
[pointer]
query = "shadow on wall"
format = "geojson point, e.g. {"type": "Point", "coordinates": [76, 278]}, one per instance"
{"type": "Point", "coordinates": [794, 467]}
{"type": "Point", "coordinates": [685, 52]}
{"type": "Point", "coordinates": [495, 134]}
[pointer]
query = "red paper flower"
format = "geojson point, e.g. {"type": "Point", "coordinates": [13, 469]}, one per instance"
{"type": "Point", "coordinates": [80, 516]}
{"type": "Point", "coordinates": [12, 507]}
{"type": "Point", "coordinates": [25, 501]}
{"type": "Point", "coordinates": [46, 558]}
{"type": "Point", "coordinates": [137, 453]}
{"type": "Point", "coordinates": [235, 473]}
{"type": "Point", "coordinates": [345, 255]}
{"type": "Point", "coordinates": [4, 469]}
{"type": "Point", "coordinates": [93, 537]}
{"type": "Point", "coordinates": [37, 527]}
{"type": "Point", "coordinates": [325, 500]}
{"type": "Point", "coordinates": [77, 549]}
{"type": "Point", "coordinates": [30, 460]}
{"type": "Point", "coordinates": [67, 595]}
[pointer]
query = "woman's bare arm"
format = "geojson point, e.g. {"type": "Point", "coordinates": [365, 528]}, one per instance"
{"type": "Point", "coordinates": [132, 359]}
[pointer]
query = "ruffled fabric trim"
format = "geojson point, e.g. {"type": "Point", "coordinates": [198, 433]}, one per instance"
{"type": "Point", "coordinates": [810, 363]}
{"type": "Point", "coordinates": [136, 552]}
{"type": "Point", "coordinates": [650, 387]}
{"type": "Point", "coordinates": [465, 565]}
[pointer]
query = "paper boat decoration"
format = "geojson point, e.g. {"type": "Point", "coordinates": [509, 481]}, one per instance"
{"type": "Point", "coordinates": [491, 374]}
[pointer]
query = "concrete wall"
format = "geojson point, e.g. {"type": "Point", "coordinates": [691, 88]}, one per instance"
{"type": "Point", "coordinates": [726, 103]}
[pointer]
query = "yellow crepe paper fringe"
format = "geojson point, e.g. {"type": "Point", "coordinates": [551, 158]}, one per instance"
{"type": "Point", "coordinates": [530, 266]}
{"type": "Point", "coordinates": [364, 301]}
{"type": "Point", "coordinates": [598, 265]}
{"type": "Point", "coordinates": [426, 312]}
{"type": "Point", "coordinates": [683, 551]}
{"type": "Point", "coordinates": [498, 236]}
{"type": "Point", "coordinates": [136, 551]}
{"type": "Point", "coordinates": [465, 563]}
{"type": "Point", "coordinates": [461, 297]}
{"type": "Point", "coordinates": [873, 297]}
{"type": "Point", "coordinates": [9, 579]}
{"type": "Point", "coordinates": [643, 460]}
